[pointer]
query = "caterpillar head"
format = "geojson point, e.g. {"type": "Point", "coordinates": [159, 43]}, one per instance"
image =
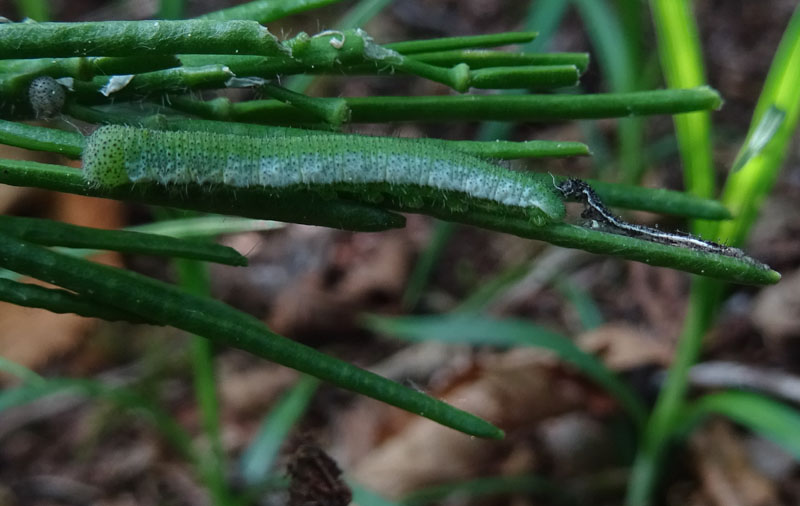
{"type": "Point", "coordinates": [104, 156]}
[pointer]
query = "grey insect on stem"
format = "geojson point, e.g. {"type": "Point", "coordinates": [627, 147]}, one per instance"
{"type": "Point", "coordinates": [595, 210]}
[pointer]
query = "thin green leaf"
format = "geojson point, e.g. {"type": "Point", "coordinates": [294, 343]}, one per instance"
{"type": "Point", "coordinates": [168, 305]}
{"type": "Point", "coordinates": [481, 330]}
{"type": "Point", "coordinates": [69, 144]}
{"type": "Point", "coordinates": [570, 236]}
{"type": "Point", "coordinates": [206, 226]}
{"type": "Point", "coordinates": [60, 301]}
{"type": "Point", "coordinates": [771, 419]}
{"type": "Point", "coordinates": [442, 108]}
{"type": "Point", "coordinates": [761, 135]}
{"type": "Point", "coordinates": [260, 455]}
{"type": "Point", "coordinates": [302, 207]}
{"type": "Point", "coordinates": [466, 42]}
{"type": "Point", "coordinates": [53, 233]}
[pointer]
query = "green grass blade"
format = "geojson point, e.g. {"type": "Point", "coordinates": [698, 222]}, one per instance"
{"type": "Point", "coordinates": [53, 233]}
{"type": "Point", "coordinates": [771, 419]}
{"type": "Point", "coordinates": [620, 69]}
{"type": "Point", "coordinates": [168, 305]}
{"type": "Point", "coordinates": [682, 63]}
{"type": "Point", "coordinates": [117, 395]}
{"type": "Point", "coordinates": [193, 277]}
{"type": "Point", "coordinates": [746, 189]}
{"type": "Point", "coordinates": [481, 330]}
{"type": "Point", "coordinates": [260, 455]}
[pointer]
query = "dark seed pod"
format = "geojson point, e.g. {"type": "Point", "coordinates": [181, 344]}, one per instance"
{"type": "Point", "coordinates": [46, 96]}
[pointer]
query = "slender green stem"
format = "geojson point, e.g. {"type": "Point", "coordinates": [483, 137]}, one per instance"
{"type": "Point", "coordinates": [478, 59]}
{"type": "Point", "coordinates": [571, 236]}
{"type": "Point", "coordinates": [87, 67]}
{"type": "Point", "coordinates": [118, 38]}
{"type": "Point", "coordinates": [41, 139]}
{"type": "Point", "coordinates": [194, 279]}
{"type": "Point", "coordinates": [60, 301]}
{"type": "Point", "coordinates": [544, 16]}
{"type": "Point", "coordinates": [332, 111]}
{"type": "Point", "coordinates": [358, 16]}
{"type": "Point", "coordinates": [468, 42]}
{"type": "Point", "coordinates": [172, 80]}
{"type": "Point", "coordinates": [470, 107]}
{"type": "Point", "coordinates": [265, 11]}
{"type": "Point", "coordinates": [535, 77]}
{"type": "Point", "coordinates": [169, 305]}
{"type": "Point", "coordinates": [667, 412]}
{"type": "Point", "coordinates": [497, 150]}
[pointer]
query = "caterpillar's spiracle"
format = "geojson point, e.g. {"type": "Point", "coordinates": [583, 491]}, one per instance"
{"type": "Point", "coordinates": [410, 171]}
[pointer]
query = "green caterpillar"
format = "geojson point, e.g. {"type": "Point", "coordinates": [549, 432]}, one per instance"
{"type": "Point", "coordinates": [410, 172]}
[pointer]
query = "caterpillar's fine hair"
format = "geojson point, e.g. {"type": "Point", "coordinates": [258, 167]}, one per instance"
{"type": "Point", "coordinates": [408, 170]}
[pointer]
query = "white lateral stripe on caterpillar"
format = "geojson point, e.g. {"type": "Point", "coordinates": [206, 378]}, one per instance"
{"type": "Point", "coordinates": [119, 154]}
